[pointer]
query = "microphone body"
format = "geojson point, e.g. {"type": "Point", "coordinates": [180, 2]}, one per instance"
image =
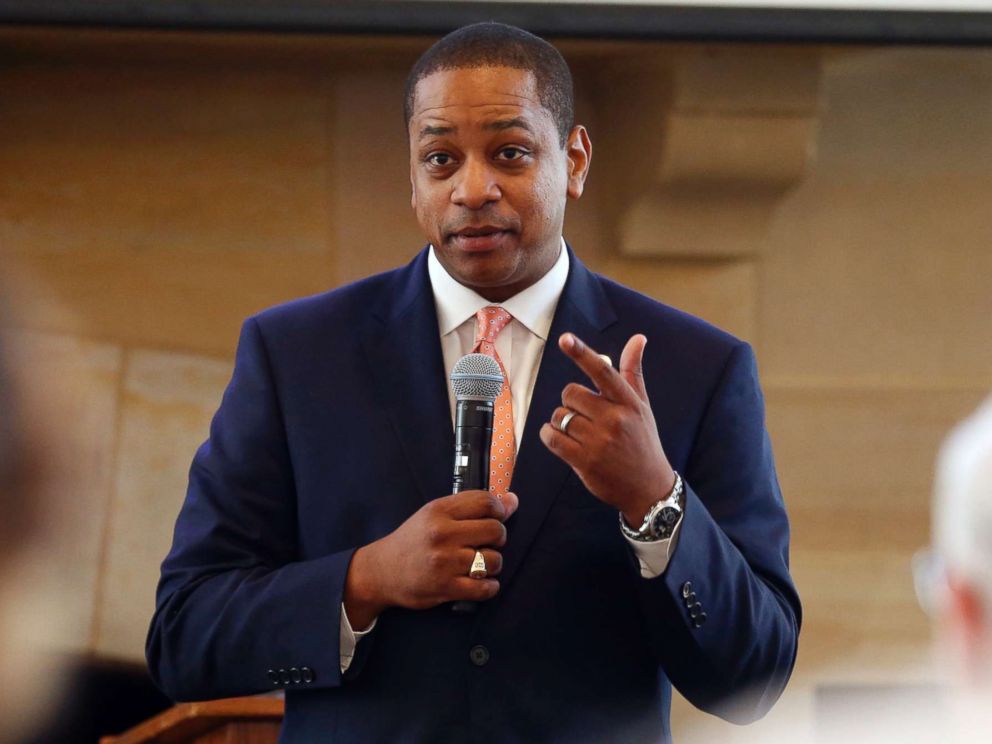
{"type": "Point", "coordinates": [476, 380]}
{"type": "Point", "coordinates": [473, 441]}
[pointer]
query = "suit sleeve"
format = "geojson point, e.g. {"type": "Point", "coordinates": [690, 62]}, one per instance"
{"type": "Point", "coordinates": [236, 611]}
{"type": "Point", "coordinates": [724, 617]}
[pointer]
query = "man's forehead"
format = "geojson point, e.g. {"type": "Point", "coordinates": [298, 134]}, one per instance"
{"type": "Point", "coordinates": [478, 88]}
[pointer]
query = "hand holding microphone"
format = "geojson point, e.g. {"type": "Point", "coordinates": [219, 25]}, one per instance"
{"type": "Point", "coordinates": [426, 561]}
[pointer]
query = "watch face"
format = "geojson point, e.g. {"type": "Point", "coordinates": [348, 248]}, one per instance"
{"type": "Point", "coordinates": [664, 521]}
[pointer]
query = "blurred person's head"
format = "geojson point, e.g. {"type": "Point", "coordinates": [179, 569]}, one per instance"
{"type": "Point", "coordinates": [26, 678]}
{"type": "Point", "coordinates": [18, 470]}
{"type": "Point", "coordinates": [962, 526]}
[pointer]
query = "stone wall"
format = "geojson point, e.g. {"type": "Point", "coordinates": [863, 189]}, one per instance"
{"type": "Point", "coordinates": [830, 205]}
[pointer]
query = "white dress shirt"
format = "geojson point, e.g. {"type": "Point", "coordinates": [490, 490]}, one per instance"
{"type": "Point", "coordinates": [520, 346]}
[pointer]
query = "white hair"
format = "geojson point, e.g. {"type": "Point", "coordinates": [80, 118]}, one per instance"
{"type": "Point", "coordinates": [962, 504]}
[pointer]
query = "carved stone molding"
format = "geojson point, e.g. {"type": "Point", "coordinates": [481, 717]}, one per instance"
{"type": "Point", "coordinates": [702, 144]}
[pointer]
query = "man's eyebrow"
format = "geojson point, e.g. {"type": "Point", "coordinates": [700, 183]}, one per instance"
{"type": "Point", "coordinates": [501, 124]}
{"type": "Point", "coordinates": [435, 131]}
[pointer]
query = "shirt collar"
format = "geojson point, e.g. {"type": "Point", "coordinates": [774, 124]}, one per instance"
{"type": "Point", "coordinates": [534, 306]}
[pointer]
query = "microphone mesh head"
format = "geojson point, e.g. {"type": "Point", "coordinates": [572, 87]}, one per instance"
{"type": "Point", "coordinates": [476, 376]}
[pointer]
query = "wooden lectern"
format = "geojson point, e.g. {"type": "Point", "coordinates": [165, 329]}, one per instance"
{"type": "Point", "coordinates": [248, 720]}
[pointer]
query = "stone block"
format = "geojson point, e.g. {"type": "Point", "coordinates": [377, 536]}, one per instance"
{"type": "Point", "coordinates": [164, 199]}
{"type": "Point", "coordinates": [375, 227]}
{"type": "Point", "coordinates": [168, 402]}
{"type": "Point", "coordinates": [882, 280]}
{"type": "Point", "coordinates": [721, 292]}
{"type": "Point", "coordinates": [741, 78]}
{"type": "Point", "coordinates": [877, 268]}
{"type": "Point", "coordinates": [183, 298]}
{"type": "Point", "coordinates": [861, 458]}
{"type": "Point", "coordinates": [744, 153]}
{"type": "Point", "coordinates": [718, 223]}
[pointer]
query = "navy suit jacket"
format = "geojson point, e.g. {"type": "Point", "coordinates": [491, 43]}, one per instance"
{"type": "Point", "coordinates": [336, 427]}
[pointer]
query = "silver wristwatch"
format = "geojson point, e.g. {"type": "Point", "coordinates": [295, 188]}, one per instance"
{"type": "Point", "coordinates": [661, 519]}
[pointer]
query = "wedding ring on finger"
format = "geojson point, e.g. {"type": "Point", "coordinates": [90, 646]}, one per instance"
{"type": "Point", "coordinates": [565, 421]}
{"type": "Point", "coordinates": [478, 570]}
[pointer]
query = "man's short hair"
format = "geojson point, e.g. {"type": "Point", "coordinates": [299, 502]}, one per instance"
{"type": "Point", "coordinates": [500, 45]}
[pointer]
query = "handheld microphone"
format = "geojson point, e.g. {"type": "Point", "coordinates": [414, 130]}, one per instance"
{"type": "Point", "coordinates": [476, 381]}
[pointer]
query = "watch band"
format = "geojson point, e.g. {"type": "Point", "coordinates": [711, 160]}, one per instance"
{"type": "Point", "coordinates": [672, 502]}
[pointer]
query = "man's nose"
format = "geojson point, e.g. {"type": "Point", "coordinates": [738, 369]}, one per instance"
{"type": "Point", "coordinates": [475, 185]}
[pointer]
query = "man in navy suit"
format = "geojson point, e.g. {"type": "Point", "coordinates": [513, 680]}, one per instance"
{"type": "Point", "coordinates": [644, 542]}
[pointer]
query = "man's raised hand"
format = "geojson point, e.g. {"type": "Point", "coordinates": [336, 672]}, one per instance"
{"type": "Point", "coordinates": [612, 441]}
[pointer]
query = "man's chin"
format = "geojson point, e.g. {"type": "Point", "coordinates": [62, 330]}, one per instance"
{"type": "Point", "coordinates": [480, 270]}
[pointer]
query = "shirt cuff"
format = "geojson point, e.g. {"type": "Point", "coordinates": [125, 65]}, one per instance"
{"type": "Point", "coordinates": [654, 556]}
{"type": "Point", "coordinates": [349, 639]}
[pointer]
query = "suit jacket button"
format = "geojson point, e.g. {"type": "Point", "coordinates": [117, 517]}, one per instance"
{"type": "Point", "coordinates": [687, 589]}
{"type": "Point", "coordinates": [273, 676]}
{"type": "Point", "coordinates": [479, 655]}
{"type": "Point", "coordinates": [307, 673]}
{"type": "Point", "coordinates": [699, 620]}
{"type": "Point", "coordinates": [283, 677]}
{"type": "Point", "coordinates": [294, 674]}
{"type": "Point", "coordinates": [690, 600]}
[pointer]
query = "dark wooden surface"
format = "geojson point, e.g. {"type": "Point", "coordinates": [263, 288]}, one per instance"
{"type": "Point", "coordinates": [251, 720]}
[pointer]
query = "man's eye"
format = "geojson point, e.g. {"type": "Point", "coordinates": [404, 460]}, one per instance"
{"type": "Point", "coordinates": [511, 153]}
{"type": "Point", "coordinates": [439, 159]}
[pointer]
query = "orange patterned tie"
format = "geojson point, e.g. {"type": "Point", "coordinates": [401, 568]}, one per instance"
{"type": "Point", "coordinates": [492, 320]}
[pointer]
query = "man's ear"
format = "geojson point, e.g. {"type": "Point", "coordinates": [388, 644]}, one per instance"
{"type": "Point", "coordinates": [578, 150]}
{"type": "Point", "coordinates": [966, 608]}
{"type": "Point", "coordinates": [413, 191]}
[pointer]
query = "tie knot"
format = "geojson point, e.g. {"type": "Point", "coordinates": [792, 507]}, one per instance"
{"type": "Point", "coordinates": [492, 320]}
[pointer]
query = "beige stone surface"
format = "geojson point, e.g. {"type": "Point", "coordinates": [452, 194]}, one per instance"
{"type": "Point", "coordinates": [713, 78]}
{"type": "Point", "coordinates": [856, 465]}
{"type": "Point", "coordinates": [167, 405]}
{"type": "Point", "coordinates": [883, 280]}
{"type": "Point", "coordinates": [724, 222]}
{"type": "Point", "coordinates": [877, 268]}
{"type": "Point", "coordinates": [863, 598]}
{"type": "Point", "coordinates": [375, 228]}
{"type": "Point", "coordinates": [73, 385]}
{"type": "Point", "coordinates": [747, 152]}
{"type": "Point", "coordinates": [721, 292]}
{"type": "Point", "coordinates": [162, 201]}
{"type": "Point", "coordinates": [182, 299]}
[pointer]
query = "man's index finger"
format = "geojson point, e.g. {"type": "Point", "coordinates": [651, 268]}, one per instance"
{"type": "Point", "coordinates": [609, 382]}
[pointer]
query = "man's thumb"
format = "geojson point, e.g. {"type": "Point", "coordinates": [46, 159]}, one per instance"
{"type": "Point", "coordinates": [510, 503]}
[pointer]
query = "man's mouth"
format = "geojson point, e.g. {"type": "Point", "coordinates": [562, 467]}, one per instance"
{"type": "Point", "coordinates": [480, 239]}
{"type": "Point", "coordinates": [478, 232]}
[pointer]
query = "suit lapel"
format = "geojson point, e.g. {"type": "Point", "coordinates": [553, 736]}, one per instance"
{"type": "Point", "coordinates": [539, 475]}
{"type": "Point", "coordinates": [403, 346]}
